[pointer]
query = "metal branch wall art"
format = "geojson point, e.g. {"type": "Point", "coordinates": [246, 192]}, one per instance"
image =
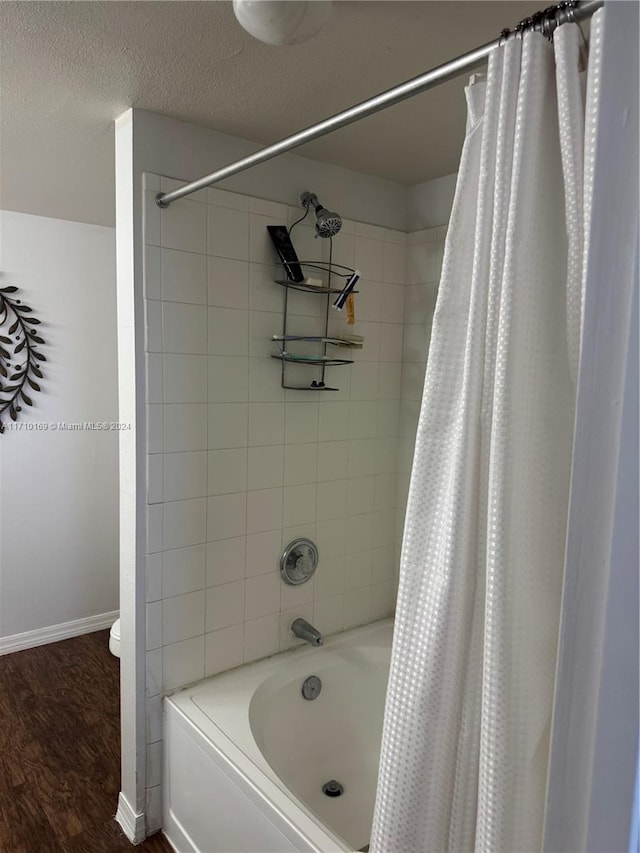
{"type": "Point", "coordinates": [20, 358]}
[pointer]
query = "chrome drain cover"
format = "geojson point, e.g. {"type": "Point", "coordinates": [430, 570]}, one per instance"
{"type": "Point", "coordinates": [332, 788]}
{"type": "Point", "coordinates": [311, 687]}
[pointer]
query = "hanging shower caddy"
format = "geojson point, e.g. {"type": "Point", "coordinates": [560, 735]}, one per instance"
{"type": "Point", "coordinates": [328, 346]}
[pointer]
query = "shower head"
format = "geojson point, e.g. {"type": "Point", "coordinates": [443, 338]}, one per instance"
{"type": "Point", "coordinates": [327, 223]}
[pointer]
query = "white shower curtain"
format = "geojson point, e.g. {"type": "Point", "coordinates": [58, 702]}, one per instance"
{"type": "Point", "coordinates": [467, 722]}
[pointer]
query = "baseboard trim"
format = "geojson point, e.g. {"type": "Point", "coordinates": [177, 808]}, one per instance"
{"type": "Point", "coordinates": [130, 822]}
{"type": "Point", "coordinates": [42, 636]}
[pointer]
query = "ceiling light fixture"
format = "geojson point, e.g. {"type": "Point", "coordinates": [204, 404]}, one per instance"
{"type": "Point", "coordinates": [279, 22]}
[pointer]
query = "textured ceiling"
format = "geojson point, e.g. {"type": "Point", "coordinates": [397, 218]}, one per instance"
{"type": "Point", "coordinates": [67, 69]}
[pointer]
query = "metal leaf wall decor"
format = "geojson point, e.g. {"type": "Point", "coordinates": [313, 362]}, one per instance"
{"type": "Point", "coordinates": [20, 358]}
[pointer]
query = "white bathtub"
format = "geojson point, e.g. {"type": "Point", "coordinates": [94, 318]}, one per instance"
{"type": "Point", "coordinates": [246, 755]}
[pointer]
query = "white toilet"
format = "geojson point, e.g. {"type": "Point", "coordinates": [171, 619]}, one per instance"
{"type": "Point", "coordinates": [114, 639]}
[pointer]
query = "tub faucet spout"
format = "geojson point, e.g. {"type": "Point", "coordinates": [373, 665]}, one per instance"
{"type": "Point", "coordinates": [301, 629]}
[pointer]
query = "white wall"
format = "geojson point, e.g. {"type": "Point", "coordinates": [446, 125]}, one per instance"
{"type": "Point", "coordinates": [58, 489]}
{"type": "Point", "coordinates": [430, 203]}
{"type": "Point", "coordinates": [187, 151]}
{"type": "Point", "coordinates": [150, 143]}
{"type": "Point", "coordinates": [236, 466]}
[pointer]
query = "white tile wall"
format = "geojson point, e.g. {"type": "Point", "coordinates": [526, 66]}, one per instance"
{"type": "Point", "coordinates": [227, 425]}
{"type": "Point", "coordinates": [223, 649]}
{"type": "Point", "coordinates": [236, 459]}
{"type": "Point", "coordinates": [184, 328]}
{"type": "Point", "coordinates": [184, 523]}
{"type": "Point", "coordinates": [226, 561]}
{"type": "Point", "coordinates": [182, 617]}
{"type": "Point", "coordinates": [184, 379]}
{"type": "Point", "coordinates": [183, 570]}
{"type": "Point", "coordinates": [182, 662]}
{"type": "Point", "coordinates": [227, 471]}
{"type": "Point", "coordinates": [183, 226]}
{"type": "Point", "coordinates": [260, 549]}
{"type": "Point", "coordinates": [261, 637]}
{"type": "Point", "coordinates": [226, 516]}
{"type": "Point", "coordinates": [225, 605]}
{"type": "Point", "coordinates": [264, 510]}
{"type": "Point", "coordinates": [228, 283]}
{"type": "Point", "coordinates": [184, 426]}
{"type": "Point", "coordinates": [183, 277]}
{"type": "Point", "coordinates": [237, 466]}
{"type": "Point", "coordinates": [265, 467]}
{"type": "Point", "coordinates": [228, 379]}
{"type": "Point", "coordinates": [185, 475]}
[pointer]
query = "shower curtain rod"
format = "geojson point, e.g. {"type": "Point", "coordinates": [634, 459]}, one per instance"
{"type": "Point", "coordinates": [546, 21]}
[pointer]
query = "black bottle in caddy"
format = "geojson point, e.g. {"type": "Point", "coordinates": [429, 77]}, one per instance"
{"type": "Point", "coordinates": [287, 254]}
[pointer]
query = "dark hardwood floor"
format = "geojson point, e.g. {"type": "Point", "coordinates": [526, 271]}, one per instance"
{"type": "Point", "coordinates": [60, 750]}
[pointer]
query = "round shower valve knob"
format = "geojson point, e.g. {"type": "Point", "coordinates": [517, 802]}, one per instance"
{"type": "Point", "coordinates": [298, 562]}
{"type": "Point", "coordinates": [304, 564]}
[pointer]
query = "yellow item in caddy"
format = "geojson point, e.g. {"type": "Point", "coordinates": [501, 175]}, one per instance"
{"type": "Point", "coordinates": [351, 309]}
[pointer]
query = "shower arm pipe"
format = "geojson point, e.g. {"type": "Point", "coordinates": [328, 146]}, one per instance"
{"type": "Point", "coordinates": [547, 21]}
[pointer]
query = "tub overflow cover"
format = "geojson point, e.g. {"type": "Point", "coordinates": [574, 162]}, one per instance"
{"type": "Point", "coordinates": [311, 687]}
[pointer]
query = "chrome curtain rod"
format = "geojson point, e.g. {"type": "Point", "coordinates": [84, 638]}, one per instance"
{"type": "Point", "coordinates": [545, 21]}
